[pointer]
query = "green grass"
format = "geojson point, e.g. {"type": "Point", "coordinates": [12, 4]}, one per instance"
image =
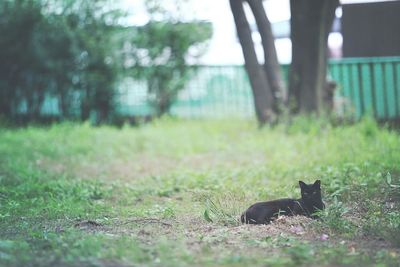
{"type": "Point", "coordinates": [170, 193]}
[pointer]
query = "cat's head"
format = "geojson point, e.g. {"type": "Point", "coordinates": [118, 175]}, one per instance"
{"type": "Point", "coordinates": [311, 194]}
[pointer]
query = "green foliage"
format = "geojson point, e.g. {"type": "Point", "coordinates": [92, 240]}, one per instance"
{"type": "Point", "coordinates": [74, 52]}
{"type": "Point", "coordinates": [389, 182]}
{"type": "Point", "coordinates": [161, 50]}
{"type": "Point", "coordinates": [334, 217]}
{"type": "Point", "coordinates": [69, 248]}
{"type": "Point", "coordinates": [300, 253]}
{"type": "Point", "coordinates": [223, 209]}
{"type": "Point", "coordinates": [61, 49]}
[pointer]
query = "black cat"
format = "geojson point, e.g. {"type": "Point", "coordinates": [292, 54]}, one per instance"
{"type": "Point", "coordinates": [307, 205]}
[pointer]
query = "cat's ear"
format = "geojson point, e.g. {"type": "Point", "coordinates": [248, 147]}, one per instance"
{"type": "Point", "coordinates": [317, 184]}
{"type": "Point", "coordinates": [302, 185]}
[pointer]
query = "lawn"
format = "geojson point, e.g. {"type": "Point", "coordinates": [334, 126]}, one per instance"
{"type": "Point", "coordinates": [170, 193]}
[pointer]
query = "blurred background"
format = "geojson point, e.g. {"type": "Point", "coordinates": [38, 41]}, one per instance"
{"type": "Point", "coordinates": [129, 61]}
{"type": "Point", "coordinates": [80, 186]}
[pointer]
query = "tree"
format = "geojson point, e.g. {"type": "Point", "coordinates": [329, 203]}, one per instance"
{"type": "Point", "coordinates": [266, 82]}
{"type": "Point", "coordinates": [310, 26]}
{"type": "Point", "coordinates": [160, 51]}
{"type": "Point", "coordinates": [271, 64]}
{"type": "Point", "coordinates": [17, 79]}
{"type": "Point", "coordinates": [311, 22]}
{"type": "Point", "coordinates": [97, 37]}
{"type": "Point", "coordinates": [57, 48]}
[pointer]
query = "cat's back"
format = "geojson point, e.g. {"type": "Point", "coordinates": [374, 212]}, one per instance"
{"type": "Point", "coordinates": [262, 212]}
{"type": "Point", "coordinates": [278, 203]}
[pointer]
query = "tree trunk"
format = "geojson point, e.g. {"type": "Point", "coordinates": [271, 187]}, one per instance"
{"type": "Point", "coordinates": [6, 104]}
{"type": "Point", "coordinates": [311, 22]}
{"type": "Point", "coordinates": [40, 96]}
{"type": "Point", "coordinates": [164, 105]}
{"type": "Point", "coordinates": [263, 97]}
{"type": "Point", "coordinates": [271, 64]}
{"type": "Point", "coordinates": [85, 105]}
{"type": "Point", "coordinates": [62, 104]}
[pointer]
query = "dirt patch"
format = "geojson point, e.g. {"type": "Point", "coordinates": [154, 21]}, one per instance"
{"type": "Point", "coordinates": [216, 241]}
{"type": "Point", "coordinates": [295, 226]}
{"type": "Point", "coordinates": [195, 229]}
{"type": "Point", "coordinates": [88, 225]}
{"type": "Point", "coordinates": [196, 234]}
{"type": "Point", "coordinates": [114, 263]}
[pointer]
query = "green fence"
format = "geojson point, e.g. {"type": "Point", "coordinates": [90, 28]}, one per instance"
{"type": "Point", "coordinates": [212, 91]}
{"type": "Point", "coordinates": [369, 85]}
{"type": "Point", "coordinates": [365, 86]}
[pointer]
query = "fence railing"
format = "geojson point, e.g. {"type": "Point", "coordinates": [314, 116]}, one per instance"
{"type": "Point", "coordinates": [212, 91]}
{"type": "Point", "coordinates": [365, 86]}
{"type": "Point", "coordinates": [370, 85]}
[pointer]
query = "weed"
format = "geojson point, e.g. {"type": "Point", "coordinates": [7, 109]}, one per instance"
{"type": "Point", "coordinates": [223, 208]}
{"type": "Point", "coordinates": [334, 217]}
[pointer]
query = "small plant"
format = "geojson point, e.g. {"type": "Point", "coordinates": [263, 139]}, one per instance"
{"type": "Point", "coordinates": [392, 228]}
{"type": "Point", "coordinates": [164, 212]}
{"type": "Point", "coordinates": [223, 209]}
{"type": "Point", "coordinates": [300, 253]}
{"type": "Point", "coordinates": [334, 217]}
{"type": "Point", "coordinates": [389, 181]}
{"type": "Point", "coordinates": [10, 249]}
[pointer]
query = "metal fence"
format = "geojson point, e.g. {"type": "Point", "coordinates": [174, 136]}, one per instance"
{"type": "Point", "coordinates": [370, 85]}
{"type": "Point", "coordinates": [365, 86]}
{"type": "Point", "coordinates": [212, 91]}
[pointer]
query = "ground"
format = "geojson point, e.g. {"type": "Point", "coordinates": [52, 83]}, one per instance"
{"type": "Point", "coordinates": [170, 193]}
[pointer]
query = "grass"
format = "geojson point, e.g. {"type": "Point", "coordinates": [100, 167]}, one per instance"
{"type": "Point", "coordinates": [170, 193]}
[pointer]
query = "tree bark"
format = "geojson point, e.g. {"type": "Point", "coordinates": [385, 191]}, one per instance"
{"type": "Point", "coordinates": [311, 22]}
{"type": "Point", "coordinates": [263, 97]}
{"type": "Point", "coordinates": [271, 64]}
{"type": "Point", "coordinates": [85, 105]}
{"type": "Point", "coordinates": [63, 104]}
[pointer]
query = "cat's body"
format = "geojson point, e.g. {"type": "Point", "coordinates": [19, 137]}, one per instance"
{"type": "Point", "coordinates": [307, 205]}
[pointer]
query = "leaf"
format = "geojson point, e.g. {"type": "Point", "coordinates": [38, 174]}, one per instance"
{"type": "Point", "coordinates": [207, 216]}
{"type": "Point", "coordinates": [389, 178]}
{"type": "Point", "coordinates": [389, 181]}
